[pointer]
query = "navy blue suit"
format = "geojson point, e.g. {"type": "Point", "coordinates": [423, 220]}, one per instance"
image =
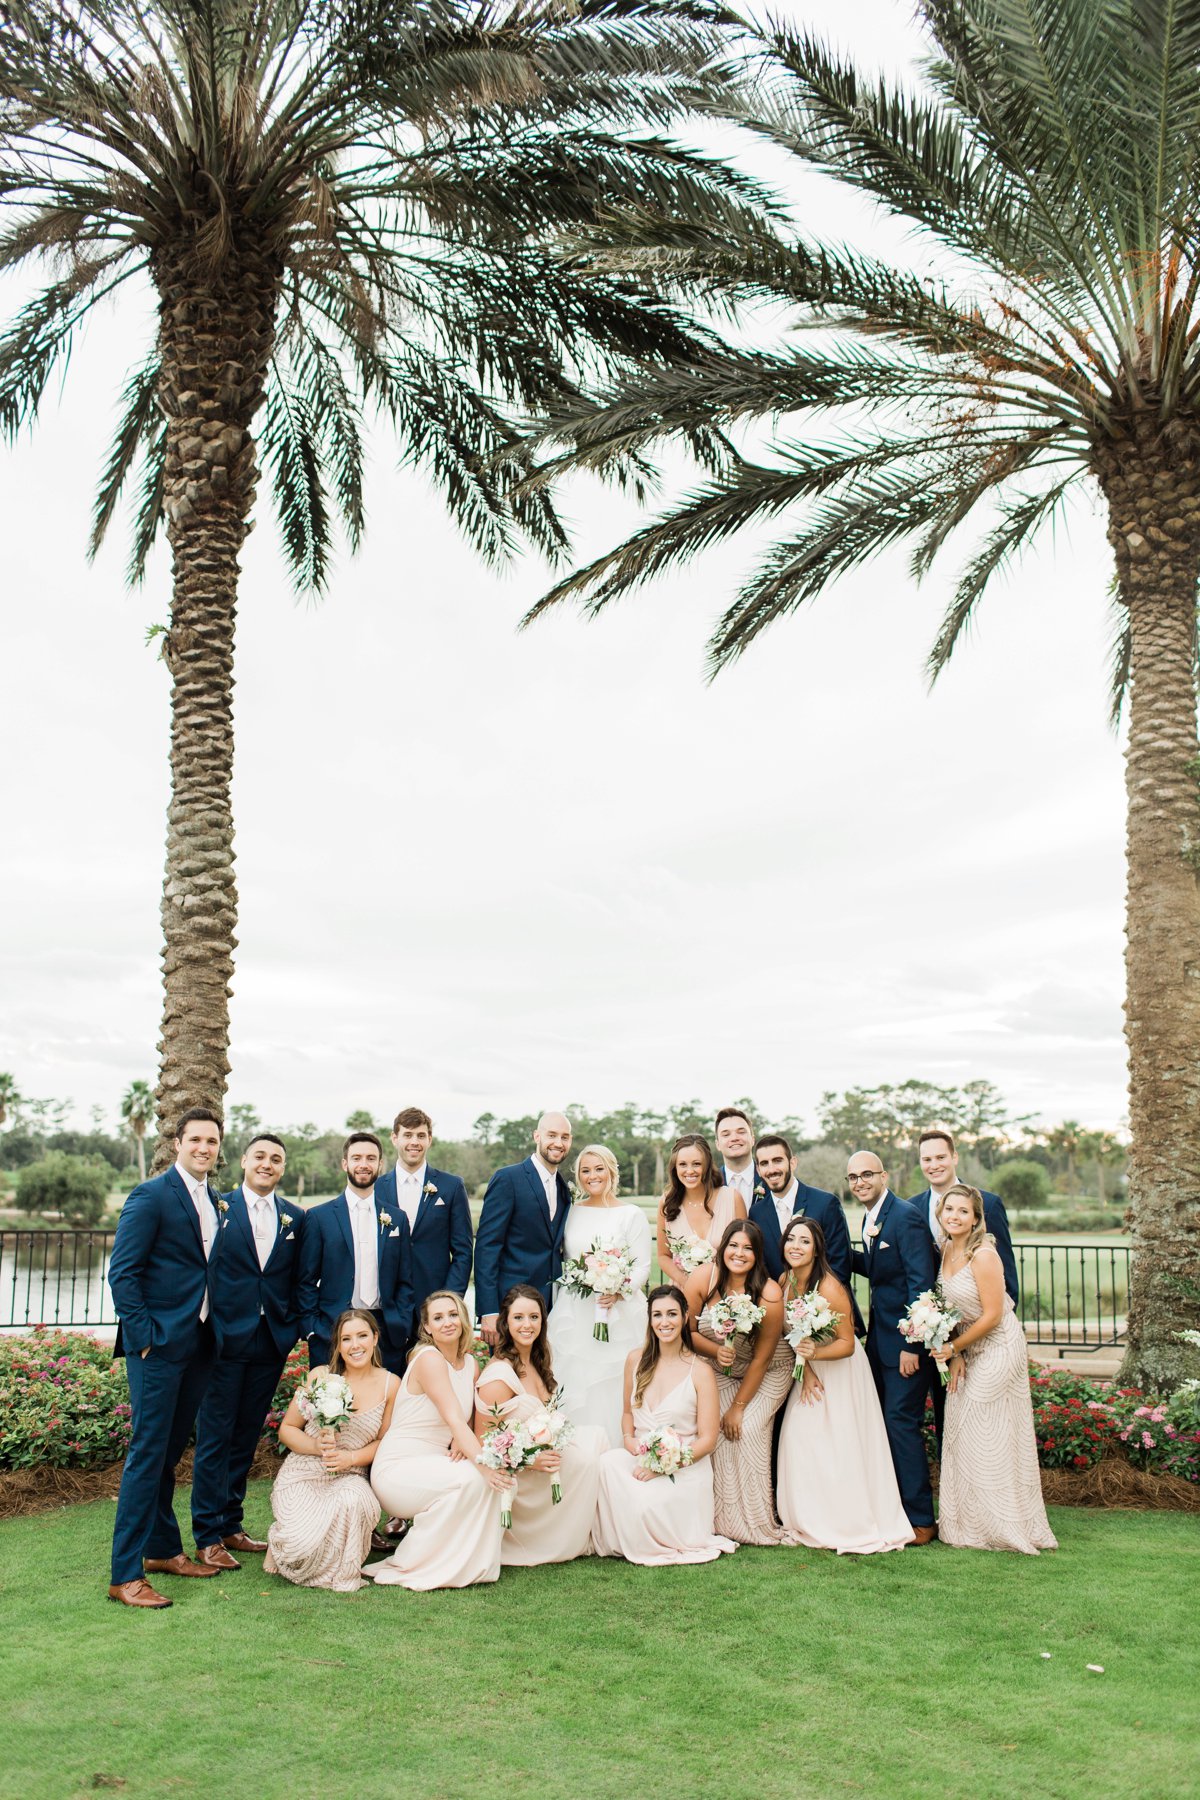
{"type": "Point", "coordinates": [325, 1281]}
{"type": "Point", "coordinates": [899, 1264]}
{"type": "Point", "coordinates": [517, 1240]}
{"type": "Point", "coordinates": [256, 1323]}
{"type": "Point", "coordinates": [158, 1275]}
{"type": "Point", "coordinates": [441, 1234]}
{"type": "Point", "coordinates": [812, 1203]}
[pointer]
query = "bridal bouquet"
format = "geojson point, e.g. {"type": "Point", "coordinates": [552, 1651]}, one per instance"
{"type": "Point", "coordinates": [602, 1270]}
{"type": "Point", "coordinates": [664, 1453]}
{"type": "Point", "coordinates": [734, 1315]}
{"type": "Point", "coordinates": [550, 1429]}
{"type": "Point", "coordinates": [929, 1323]}
{"type": "Point", "coordinates": [507, 1447]}
{"type": "Point", "coordinates": [809, 1316]}
{"type": "Point", "coordinates": [689, 1252]}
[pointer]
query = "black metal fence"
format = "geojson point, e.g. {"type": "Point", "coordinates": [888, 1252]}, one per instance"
{"type": "Point", "coordinates": [1073, 1296]}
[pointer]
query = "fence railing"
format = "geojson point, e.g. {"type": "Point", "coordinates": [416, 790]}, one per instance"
{"type": "Point", "coordinates": [1073, 1296]}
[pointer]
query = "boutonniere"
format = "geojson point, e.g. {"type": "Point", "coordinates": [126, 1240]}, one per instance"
{"type": "Point", "coordinates": [285, 1220]}
{"type": "Point", "coordinates": [222, 1205]}
{"type": "Point", "coordinates": [430, 1187]}
{"type": "Point", "coordinates": [760, 1192]}
{"type": "Point", "coordinates": [872, 1230]}
{"type": "Point", "coordinates": [385, 1220]}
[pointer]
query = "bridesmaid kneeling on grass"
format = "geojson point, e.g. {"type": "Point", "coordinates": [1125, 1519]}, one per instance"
{"type": "Point", "coordinates": [643, 1516]}
{"type": "Point", "coordinates": [324, 1508]}
{"type": "Point", "coordinates": [425, 1468]}
{"type": "Point", "coordinates": [518, 1384]}
{"type": "Point", "coordinates": [836, 1486]}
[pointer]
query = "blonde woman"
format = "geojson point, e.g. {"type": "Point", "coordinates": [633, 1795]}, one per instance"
{"type": "Point", "coordinates": [425, 1468]}
{"type": "Point", "coordinates": [991, 1491]}
{"type": "Point", "coordinates": [590, 1370]}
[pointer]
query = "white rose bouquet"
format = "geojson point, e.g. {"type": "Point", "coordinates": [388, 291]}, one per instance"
{"type": "Point", "coordinates": [689, 1252]}
{"type": "Point", "coordinates": [809, 1316]}
{"type": "Point", "coordinates": [664, 1452]}
{"type": "Point", "coordinates": [929, 1323]}
{"type": "Point", "coordinates": [550, 1429]}
{"type": "Point", "coordinates": [734, 1316]}
{"type": "Point", "coordinates": [602, 1270]}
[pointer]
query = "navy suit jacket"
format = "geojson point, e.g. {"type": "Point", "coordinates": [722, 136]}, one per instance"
{"type": "Point", "coordinates": [325, 1283]}
{"type": "Point", "coordinates": [996, 1220]}
{"type": "Point", "coordinates": [157, 1270]}
{"type": "Point", "coordinates": [826, 1210]}
{"type": "Point", "coordinates": [899, 1265]}
{"type": "Point", "coordinates": [441, 1234]}
{"type": "Point", "coordinates": [516, 1240]}
{"type": "Point", "coordinates": [241, 1291]}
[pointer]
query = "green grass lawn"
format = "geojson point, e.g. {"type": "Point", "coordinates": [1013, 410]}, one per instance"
{"type": "Point", "coordinates": [767, 1676]}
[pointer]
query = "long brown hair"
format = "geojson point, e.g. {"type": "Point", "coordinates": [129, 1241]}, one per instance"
{"type": "Point", "coordinates": [643, 1375]}
{"type": "Point", "coordinates": [674, 1197]}
{"type": "Point", "coordinates": [821, 1266]}
{"type": "Point", "coordinates": [979, 1233]}
{"type": "Point", "coordinates": [507, 1349]}
{"type": "Point", "coordinates": [336, 1364]}
{"type": "Point", "coordinates": [759, 1275]}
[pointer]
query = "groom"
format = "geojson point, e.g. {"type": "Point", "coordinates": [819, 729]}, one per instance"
{"type": "Point", "coordinates": [897, 1260]}
{"type": "Point", "coordinates": [522, 1223]}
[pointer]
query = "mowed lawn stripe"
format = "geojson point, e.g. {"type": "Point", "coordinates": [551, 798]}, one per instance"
{"type": "Point", "coordinates": [769, 1675]}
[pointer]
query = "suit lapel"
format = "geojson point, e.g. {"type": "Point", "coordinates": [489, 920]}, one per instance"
{"type": "Point", "coordinates": [881, 1221]}
{"type": "Point", "coordinates": [176, 1184]}
{"type": "Point", "coordinates": [539, 1193]}
{"type": "Point", "coordinates": [279, 1232]}
{"type": "Point", "coordinates": [240, 1209]}
{"type": "Point", "coordinates": [341, 1212]}
{"type": "Point", "coordinates": [424, 1200]}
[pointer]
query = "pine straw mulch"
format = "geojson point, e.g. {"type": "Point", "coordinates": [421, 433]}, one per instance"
{"type": "Point", "coordinates": [1111, 1483]}
{"type": "Point", "coordinates": [27, 1491]}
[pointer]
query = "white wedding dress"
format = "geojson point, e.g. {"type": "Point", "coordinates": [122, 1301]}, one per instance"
{"type": "Point", "coordinates": [591, 1374]}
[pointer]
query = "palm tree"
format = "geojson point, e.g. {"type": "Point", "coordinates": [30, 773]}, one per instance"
{"type": "Point", "coordinates": [1049, 344]}
{"type": "Point", "coordinates": [9, 1097]}
{"type": "Point", "coordinates": [137, 1110]}
{"type": "Point", "coordinates": [344, 209]}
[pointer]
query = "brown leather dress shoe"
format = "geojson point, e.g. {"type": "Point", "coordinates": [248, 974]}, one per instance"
{"type": "Point", "coordinates": [137, 1593]}
{"type": "Point", "coordinates": [922, 1534]}
{"type": "Point", "coordinates": [215, 1556]}
{"type": "Point", "coordinates": [247, 1545]}
{"type": "Point", "coordinates": [176, 1565]}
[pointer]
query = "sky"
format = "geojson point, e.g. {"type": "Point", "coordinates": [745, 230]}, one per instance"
{"type": "Point", "coordinates": [484, 870]}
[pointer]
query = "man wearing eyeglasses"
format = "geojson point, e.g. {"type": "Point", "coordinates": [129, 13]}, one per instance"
{"type": "Point", "coordinates": [898, 1261]}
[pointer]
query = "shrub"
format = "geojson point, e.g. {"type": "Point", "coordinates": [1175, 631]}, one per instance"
{"type": "Point", "coordinates": [64, 1403]}
{"type": "Point", "coordinates": [70, 1185]}
{"type": "Point", "coordinates": [1073, 1434]}
{"type": "Point", "coordinates": [295, 1373]}
{"type": "Point", "coordinates": [1153, 1439]}
{"type": "Point", "coordinates": [1021, 1183]}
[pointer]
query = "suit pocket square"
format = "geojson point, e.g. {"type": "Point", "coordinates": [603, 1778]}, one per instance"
{"type": "Point", "coordinates": [885, 1245]}
{"type": "Point", "coordinates": [289, 1237]}
{"type": "Point", "coordinates": [395, 1231]}
{"type": "Point", "coordinates": [439, 1201]}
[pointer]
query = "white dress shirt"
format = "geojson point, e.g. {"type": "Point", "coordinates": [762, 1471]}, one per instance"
{"type": "Point", "coordinates": [872, 1217]}
{"type": "Point", "coordinates": [410, 1185]}
{"type": "Point", "coordinates": [206, 1212]}
{"type": "Point", "coordinates": [549, 1182]}
{"type": "Point", "coordinates": [785, 1204]}
{"type": "Point", "coordinates": [261, 1211]}
{"type": "Point", "coordinates": [939, 1236]}
{"type": "Point", "coordinates": [364, 1227]}
{"type": "Point", "coordinates": [742, 1182]}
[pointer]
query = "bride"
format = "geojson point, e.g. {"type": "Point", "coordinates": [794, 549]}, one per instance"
{"type": "Point", "coordinates": [591, 1373]}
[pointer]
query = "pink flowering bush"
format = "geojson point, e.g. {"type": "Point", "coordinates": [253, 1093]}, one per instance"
{"type": "Point", "coordinates": [64, 1403]}
{"type": "Point", "coordinates": [1152, 1439]}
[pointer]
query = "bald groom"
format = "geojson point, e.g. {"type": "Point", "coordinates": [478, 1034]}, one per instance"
{"type": "Point", "coordinates": [521, 1226]}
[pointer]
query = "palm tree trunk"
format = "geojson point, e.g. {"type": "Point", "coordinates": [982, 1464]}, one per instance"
{"type": "Point", "coordinates": [215, 336]}
{"type": "Point", "coordinates": [139, 1138]}
{"type": "Point", "coordinates": [1154, 527]}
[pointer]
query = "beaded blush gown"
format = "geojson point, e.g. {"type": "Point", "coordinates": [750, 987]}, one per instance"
{"type": "Point", "coordinates": [321, 1534]}
{"type": "Point", "coordinates": [742, 1466]}
{"type": "Point", "coordinates": [990, 1495]}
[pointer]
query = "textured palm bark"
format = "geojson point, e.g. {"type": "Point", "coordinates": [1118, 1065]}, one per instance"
{"type": "Point", "coordinates": [216, 336]}
{"type": "Point", "coordinates": [1153, 491]}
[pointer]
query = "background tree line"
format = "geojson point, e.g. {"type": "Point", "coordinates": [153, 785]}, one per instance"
{"type": "Point", "coordinates": [55, 1169]}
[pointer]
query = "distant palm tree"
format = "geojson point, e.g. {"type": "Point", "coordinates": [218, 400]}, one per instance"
{"type": "Point", "coordinates": [137, 1109]}
{"type": "Point", "coordinates": [1049, 343]}
{"type": "Point", "coordinates": [9, 1097]}
{"type": "Point", "coordinates": [343, 208]}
